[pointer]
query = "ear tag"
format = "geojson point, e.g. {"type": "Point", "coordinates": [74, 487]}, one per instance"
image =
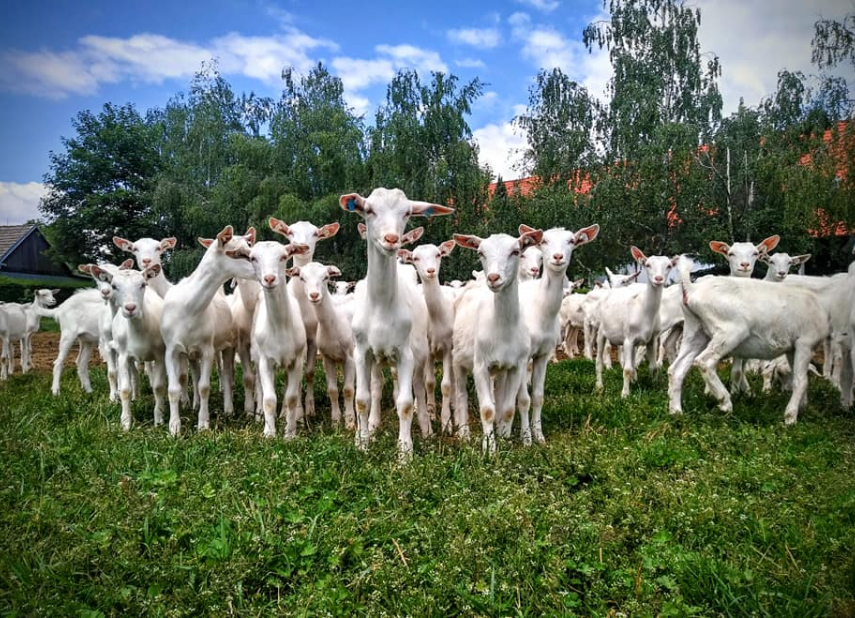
{"type": "Point", "coordinates": [351, 204]}
{"type": "Point", "coordinates": [428, 212]}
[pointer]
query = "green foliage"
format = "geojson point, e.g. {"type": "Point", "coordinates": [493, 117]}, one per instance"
{"type": "Point", "coordinates": [101, 185]}
{"type": "Point", "coordinates": [625, 510]}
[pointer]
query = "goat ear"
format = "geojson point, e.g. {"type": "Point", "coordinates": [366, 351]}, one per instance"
{"type": "Point", "coordinates": [446, 248]}
{"type": "Point", "coordinates": [292, 272]}
{"type": "Point", "coordinates": [124, 245]}
{"type": "Point", "coordinates": [205, 242]}
{"type": "Point", "coordinates": [100, 274]}
{"type": "Point", "coordinates": [426, 209]}
{"type": "Point", "coordinates": [638, 255]}
{"type": "Point", "coordinates": [151, 272]}
{"type": "Point", "coordinates": [168, 243]}
{"type": "Point", "coordinates": [280, 227]}
{"type": "Point", "coordinates": [363, 230]}
{"type": "Point", "coordinates": [675, 260]}
{"type": "Point", "coordinates": [296, 249]}
{"type": "Point", "coordinates": [586, 234]}
{"type": "Point", "coordinates": [328, 231]}
{"type": "Point", "coordinates": [609, 273]}
{"type": "Point", "coordinates": [764, 257]}
{"type": "Point", "coordinates": [634, 275]}
{"type": "Point", "coordinates": [719, 247]}
{"type": "Point", "coordinates": [333, 271]}
{"type": "Point", "coordinates": [467, 241]}
{"type": "Point", "coordinates": [769, 244]}
{"type": "Point", "coordinates": [352, 202]}
{"type": "Point", "coordinates": [239, 253]}
{"type": "Point", "coordinates": [55, 291]}
{"type": "Point", "coordinates": [525, 229]}
{"type": "Point", "coordinates": [412, 236]}
{"type": "Point", "coordinates": [126, 265]}
{"type": "Point", "coordinates": [530, 239]}
{"type": "Point", "coordinates": [405, 256]}
{"type": "Point", "coordinates": [598, 284]}
{"type": "Point", "coordinates": [801, 259]}
{"type": "Point", "coordinates": [225, 235]}
{"type": "Point", "coordinates": [250, 236]}
{"type": "Point", "coordinates": [85, 268]}
{"type": "Point", "coordinates": [578, 283]}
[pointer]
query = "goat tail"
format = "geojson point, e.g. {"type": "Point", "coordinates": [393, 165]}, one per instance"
{"type": "Point", "coordinates": [684, 267]}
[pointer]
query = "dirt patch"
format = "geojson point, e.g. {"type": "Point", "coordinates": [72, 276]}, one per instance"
{"type": "Point", "coordinates": [45, 349]}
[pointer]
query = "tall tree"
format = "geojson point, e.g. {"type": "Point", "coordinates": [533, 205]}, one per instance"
{"type": "Point", "coordinates": [100, 185]}
{"type": "Point", "coordinates": [660, 76]}
{"type": "Point", "coordinates": [558, 126]}
{"type": "Point", "coordinates": [834, 42]}
{"type": "Point", "coordinates": [319, 140]}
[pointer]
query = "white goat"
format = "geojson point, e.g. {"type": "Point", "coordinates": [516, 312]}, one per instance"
{"type": "Point", "coordinates": [630, 316]}
{"type": "Point", "coordinates": [78, 323]}
{"type": "Point", "coordinates": [541, 301]}
{"type": "Point", "coordinates": [197, 323]}
{"type": "Point", "coordinates": [21, 321]}
{"type": "Point", "coordinates": [572, 318]}
{"type": "Point", "coordinates": [384, 321]}
{"type": "Point", "coordinates": [490, 338]}
{"type": "Point", "coordinates": [741, 258]}
{"type": "Point", "coordinates": [105, 324]}
{"type": "Point", "coordinates": [343, 288]}
{"type": "Point", "coordinates": [243, 303]}
{"type": "Point", "coordinates": [136, 333]}
{"type": "Point", "coordinates": [147, 252]}
{"type": "Point", "coordinates": [531, 263]}
{"type": "Point", "coordinates": [834, 294]}
{"type": "Point", "coordinates": [779, 264]}
{"type": "Point", "coordinates": [745, 318]}
{"type": "Point", "coordinates": [334, 336]}
{"type": "Point", "coordinates": [303, 232]}
{"type": "Point", "coordinates": [439, 300]}
{"type": "Point", "coordinates": [278, 334]}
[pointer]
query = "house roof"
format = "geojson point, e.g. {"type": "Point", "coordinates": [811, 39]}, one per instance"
{"type": "Point", "coordinates": [11, 236]}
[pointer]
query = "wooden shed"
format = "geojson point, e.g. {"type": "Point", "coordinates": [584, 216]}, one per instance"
{"type": "Point", "coordinates": [22, 256]}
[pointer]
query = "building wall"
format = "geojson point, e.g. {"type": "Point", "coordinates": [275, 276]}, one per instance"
{"type": "Point", "coordinates": [28, 258]}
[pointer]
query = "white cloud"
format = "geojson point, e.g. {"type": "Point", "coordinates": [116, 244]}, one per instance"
{"type": "Point", "coordinates": [482, 38]}
{"type": "Point", "coordinates": [356, 73]}
{"type": "Point", "coordinates": [546, 48]}
{"type": "Point", "coordinates": [500, 148]}
{"type": "Point", "coordinates": [360, 73]}
{"type": "Point", "coordinates": [152, 58]}
{"type": "Point", "coordinates": [19, 202]}
{"type": "Point", "coordinates": [409, 56]}
{"type": "Point", "coordinates": [471, 63]}
{"type": "Point", "coordinates": [359, 103]}
{"type": "Point", "coordinates": [547, 6]}
{"type": "Point", "coordinates": [755, 39]}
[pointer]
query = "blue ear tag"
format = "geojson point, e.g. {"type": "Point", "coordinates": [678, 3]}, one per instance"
{"type": "Point", "coordinates": [351, 204]}
{"type": "Point", "coordinates": [428, 212]}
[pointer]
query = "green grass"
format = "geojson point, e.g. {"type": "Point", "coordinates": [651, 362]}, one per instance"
{"type": "Point", "coordinates": [625, 510]}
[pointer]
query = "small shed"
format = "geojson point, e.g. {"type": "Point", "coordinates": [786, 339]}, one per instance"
{"type": "Point", "coordinates": [22, 256]}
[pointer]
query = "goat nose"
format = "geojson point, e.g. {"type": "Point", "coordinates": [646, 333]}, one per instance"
{"type": "Point", "coordinates": [557, 256]}
{"type": "Point", "coordinates": [130, 307]}
{"type": "Point", "coordinates": [392, 239]}
{"type": "Point", "coordinates": [269, 279]}
{"type": "Point", "coordinates": [431, 271]}
{"type": "Point", "coordinates": [314, 295]}
{"type": "Point", "coordinates": [146, 261]}
{"type": "Point", "coordinates": [492, 277]}
{"type": "Point", "coordinates": [745, 264]}
{"type": "Point", "coordinates": [658, 279]}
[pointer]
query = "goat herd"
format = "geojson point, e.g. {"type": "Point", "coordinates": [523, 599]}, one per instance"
{"type": "Point", "coordinates": [497, 327]}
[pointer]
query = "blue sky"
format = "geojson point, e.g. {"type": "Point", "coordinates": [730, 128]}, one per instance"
{"type": "Point", "coordinates": [59, 57]}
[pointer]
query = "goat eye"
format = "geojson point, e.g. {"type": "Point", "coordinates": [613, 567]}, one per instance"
{"type": "Point", "coordinates": [415, 259]}
{"type": "Point", "coordinates": [114, 287]}
{"type": "Point", "coordinates": [515, 252]}
{"type": "Point", "coordinates": [252, 259]}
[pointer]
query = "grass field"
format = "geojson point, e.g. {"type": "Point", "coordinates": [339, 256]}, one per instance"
{"type": "Point", "coordinates": [626, 511]}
